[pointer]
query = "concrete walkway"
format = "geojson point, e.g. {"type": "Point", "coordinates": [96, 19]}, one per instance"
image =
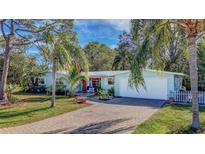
{"type": "Point", "coordinates": [97, 118]}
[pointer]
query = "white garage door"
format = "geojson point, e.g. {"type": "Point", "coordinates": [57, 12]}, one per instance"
{"type": "Point", "coordinates": [156, 88]}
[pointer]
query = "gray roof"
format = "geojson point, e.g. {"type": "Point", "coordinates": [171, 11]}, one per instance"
{"type": "Point", "coordinates": [113, 73]}
{"type": "Point", "coordinates": [106, 73]}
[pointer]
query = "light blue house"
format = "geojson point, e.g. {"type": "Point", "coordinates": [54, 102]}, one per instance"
{"type": "Point", "coordinates": [159, 84]}
{"type": "Point", "coordinates": [61, 79]}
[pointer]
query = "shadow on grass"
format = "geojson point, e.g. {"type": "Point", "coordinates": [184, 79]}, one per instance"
{"type": "Point", "coordinates": [35, 100]}
{"type": "Point", "coordinates": [181, 107]}
{"type": "Point", "coordinates": [96, 128]}
{"type": "Point", "coordinates": [186, 130]}
{"type": "Point", "coordinates": [9, 114]}
{"type": "Point", "coordinates": [27, 93]}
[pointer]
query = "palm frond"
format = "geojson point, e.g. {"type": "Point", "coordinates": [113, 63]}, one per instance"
{"type": "Point", "coordinates": [152, 39]}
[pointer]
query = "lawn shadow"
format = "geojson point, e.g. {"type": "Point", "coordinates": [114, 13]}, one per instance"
{"type": "Point", "coordinates": [96, 128]}
{"type": "Point", "coordinates": [186, 130]}
{"type": "Point", "coordinates": [183, 107]}
{"type": "Point", "coordinates": [35, 100]}
{"type": "Point", "coordinates": [9, 114]}
{"type": "Point", "coordinates": [27, 93]}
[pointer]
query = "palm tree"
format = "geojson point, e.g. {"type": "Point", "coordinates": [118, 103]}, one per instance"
{"type": "Point", "coordinates": [61, 49]}
{"type": "Point", "coordinates": [201, 63]}
{"type": "Point", "coordinates": [75, 77]}
{"type": "Point", "coordinates": [153, 35]}
{"type": "Point", "coordinates": [55, 49]}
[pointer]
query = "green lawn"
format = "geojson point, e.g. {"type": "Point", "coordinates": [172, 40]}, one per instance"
{"type": "Point", "coordinates": [34, 108]}
{"type": "Point", "coordinates": [171, 119]}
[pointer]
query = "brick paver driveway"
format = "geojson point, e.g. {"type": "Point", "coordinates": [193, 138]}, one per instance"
{"type": "Point", "coordinates": [119, 115]}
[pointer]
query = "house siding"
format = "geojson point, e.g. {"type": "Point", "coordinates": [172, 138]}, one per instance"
{"type": "Point", "coordinates": [104, 83]}
{"type": "Point", "coordinates": [174, 82]}
{"type": "Point", "coordinates": [171, 79]}
{"type": "Point", "coordinates": [177, 82]}
{"type": "Point", "coordinates": [48, 79]}
{"type": "Point", "coordinates": [117, 82]}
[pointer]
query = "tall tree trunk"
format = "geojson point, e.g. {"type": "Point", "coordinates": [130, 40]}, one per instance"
{"type": "Point", "coordinates": [71, 92]}
{"type": "Point", "coordinates": [3, 95]}
{"type": "Point", "coordinates": [194, 82]}
{"type": "Point", "coordinates": [54, 69]}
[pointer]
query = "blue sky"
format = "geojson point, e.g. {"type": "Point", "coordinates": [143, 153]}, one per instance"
{"type": "Point", "coordinates": [102, 30]}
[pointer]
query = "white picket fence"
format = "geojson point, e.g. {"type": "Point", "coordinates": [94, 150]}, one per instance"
{"type": "Point", "coordinates": [185, 97]}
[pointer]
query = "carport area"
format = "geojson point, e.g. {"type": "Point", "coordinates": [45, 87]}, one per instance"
{"type": "Point", "coordinates": [119, 115]}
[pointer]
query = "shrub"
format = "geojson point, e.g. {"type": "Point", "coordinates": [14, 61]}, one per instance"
{"type": "Point", "coordinates": [103, 94]}
{"type": "Point", "coordinates": [111, 91]}
{"type": "Point", "coordinates": [12, 99]}
{"type": "Point", "coordinates": [60, 89]}
{"type": "Point", "coordinates": [97, 89]}
{"type": "Point", "coordinates": [37, 89]}
{"type": "Point", "coordinates": [9, 89]}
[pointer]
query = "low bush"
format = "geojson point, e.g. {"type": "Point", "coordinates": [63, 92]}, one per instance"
{"type": "Point", "coordinates": [103, 94]}
{"type": "Point", "coordinates": [12, 99]}
{"type": "Point", "coordinates": [37, 89]}
{"type": "Point", "coordinates": [10, 89]}
{"type": "Point", "coordinates": [96, 89]}
{"type": "Point", "coordinates": [111, 91]}
{"type": "Point", "coordinates": [60, 89]}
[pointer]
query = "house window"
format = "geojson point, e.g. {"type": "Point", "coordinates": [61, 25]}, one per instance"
{"type": "Point", "coordinates": [111, 81]}
{"type": "Point", "coordinates": [95, 82]}
{"type": "Point", "coordinates": [177, 83]}
{"type": "Point", "coordinates": [60, 81]}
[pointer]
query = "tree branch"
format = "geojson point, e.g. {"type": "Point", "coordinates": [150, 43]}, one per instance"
{"type": "Point", "coordinates": [27, 43]}
{"type": "Point", "coordinates": [35, 31]}
{"type": "Point", "coordinates": [26, 39]}
{"type": "Point", "coordinates": [2, 30]}
{"type": "Point", "coordinates": [12, 28]}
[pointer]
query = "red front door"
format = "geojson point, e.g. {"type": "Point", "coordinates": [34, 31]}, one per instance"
{"type": "Point", "coordinates": [84, 86]}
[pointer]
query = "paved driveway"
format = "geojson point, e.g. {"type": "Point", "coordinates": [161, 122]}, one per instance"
{"type": "Point", "coordinates": [119, 115]}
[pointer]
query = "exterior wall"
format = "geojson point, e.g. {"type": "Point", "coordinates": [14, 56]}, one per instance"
{"type": "Point", "coordinates": [156, 88]}
{"type": "Point", "coordinates": [174, 82]}
{"type": "Point", "coordinates": [177, 83]}
{"type": "Point", "coordinates": [117, 83]}
{"type": "Point", "coordinates": [48, 80]}
{"type": "Point", "coordinates": [171, 79]}
{"type": "Point", "coordinates": [104, 83]}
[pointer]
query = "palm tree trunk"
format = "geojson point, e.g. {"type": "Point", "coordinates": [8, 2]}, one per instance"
{"type": "Point", "coordinates": [54, 69]}
{"type": "Point", "coordinates": [3, 95]}
{"type": "Point", "coordinates": [194, 82]}
{"type": "Point", "coordinates": [72, 93]}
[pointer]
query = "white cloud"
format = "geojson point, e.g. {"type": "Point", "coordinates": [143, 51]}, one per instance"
{"type": "Point", "coordinates": [120, 24]}
{"type": "Point", "coordinates": [113, 46]}
{"type": "Point", "coordinates": [103, 30]}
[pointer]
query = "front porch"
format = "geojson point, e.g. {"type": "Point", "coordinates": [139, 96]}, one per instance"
{"type": "Point", "coordinates": [97, 82]}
